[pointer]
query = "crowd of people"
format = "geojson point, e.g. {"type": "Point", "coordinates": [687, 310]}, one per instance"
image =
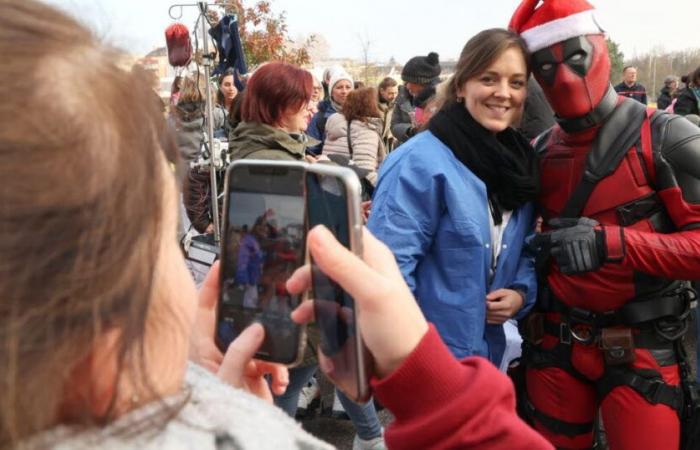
{"type": "Point", "coordinates": [523, 215]}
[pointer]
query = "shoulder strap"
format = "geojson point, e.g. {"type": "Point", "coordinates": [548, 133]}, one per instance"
{"type": "Point", "coordinates": [350, 150]}
{"type": "Point", "coordinates": [617, 135]}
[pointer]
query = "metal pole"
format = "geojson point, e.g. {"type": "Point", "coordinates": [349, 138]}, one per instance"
{"type": "Point", "coordinates": [206, 61]}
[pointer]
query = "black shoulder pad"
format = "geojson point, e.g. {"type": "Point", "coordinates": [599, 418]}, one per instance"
{"type": "Point", "coordinates": [677, 144]}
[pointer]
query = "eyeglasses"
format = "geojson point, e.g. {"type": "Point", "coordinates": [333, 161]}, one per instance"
{"type": "Point", "coordinates": [317, 88]}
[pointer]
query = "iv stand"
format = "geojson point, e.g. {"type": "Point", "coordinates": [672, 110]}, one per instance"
{"type": "Point", "coordinates": [207, 63]}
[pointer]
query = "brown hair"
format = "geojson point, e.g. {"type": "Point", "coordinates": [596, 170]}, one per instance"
{"type": "Point", "coordinates": [478, 53]}
{"type": "Point", "coordinates": [387, 83]}
{"type": "Point", "coordinates": [80, 213]}
{"type": "Point", "coordinates": [361, 104]}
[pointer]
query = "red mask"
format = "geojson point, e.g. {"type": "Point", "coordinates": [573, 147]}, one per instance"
{"type": "Point", "coordinates": [574, 74]}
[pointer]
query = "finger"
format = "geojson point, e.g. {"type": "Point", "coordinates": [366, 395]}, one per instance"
{"type": "Point", "coordinates": [240, 353]}
{"type": "Point", "coordinates": [492, 307]}
{"type": "Point", "coordinates": [563, 222]}
{"type": "Point", "coordinates": [280, 378]}
{"type": "Point", "coordinates": [498, 293]}
{"type": "Point", "coordinates": [300, 280]}
{"type": "Point", "coordinates": [279, 375]}
{"type": "Point", "coordinates": [588, 222]}
{"type": "Point", "coordinates": [304, 313]}
{"type": "Point", "coordinates": [345, 267]}
{"type": "Point", "coordinates": [209, 292]}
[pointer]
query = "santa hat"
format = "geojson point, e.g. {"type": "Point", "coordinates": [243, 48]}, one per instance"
{"type": "Point", "coordinates": [553, 21]}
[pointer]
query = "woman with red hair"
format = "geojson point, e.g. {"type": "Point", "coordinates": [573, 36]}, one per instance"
{"type": "Point", "coordinates": [274, 114]}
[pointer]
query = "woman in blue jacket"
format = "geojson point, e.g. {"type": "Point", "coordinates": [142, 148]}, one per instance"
{"type": "Point", "coordinates": [454, 203]}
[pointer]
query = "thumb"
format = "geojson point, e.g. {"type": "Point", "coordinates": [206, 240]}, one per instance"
{"type": "Point", "coordinates": [240, 353]}
{"type": "Point", "coordinates": [209, 292]}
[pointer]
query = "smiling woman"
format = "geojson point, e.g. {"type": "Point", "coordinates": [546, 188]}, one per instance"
{"type": "Point", "coordinates": [454, 202]}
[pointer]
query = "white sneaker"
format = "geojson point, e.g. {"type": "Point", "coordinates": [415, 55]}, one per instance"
{"type": "Point", "coordinates": [309, 398]}
{"type": "Point", "coordinates": [371, 444]}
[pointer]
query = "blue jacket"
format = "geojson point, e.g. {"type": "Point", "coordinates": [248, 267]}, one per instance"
{"type": "Point", "coordinates": [432, 211]}
{"type": "Point", "coordinates": [317, 126]}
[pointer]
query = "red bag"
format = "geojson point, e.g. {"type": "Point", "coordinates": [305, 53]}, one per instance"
{"type": "Point", "coordinates": [177, 38]}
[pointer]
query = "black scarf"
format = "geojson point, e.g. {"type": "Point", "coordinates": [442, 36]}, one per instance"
{"type": "Point", "coordinates": [504, 161]}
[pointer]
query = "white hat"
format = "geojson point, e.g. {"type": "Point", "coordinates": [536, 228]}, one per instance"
{"type": "Point", "coordinates": [338, 75]}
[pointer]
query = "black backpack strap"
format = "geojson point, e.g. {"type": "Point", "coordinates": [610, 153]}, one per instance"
{"type": "Point", "coordinates": [620, 132]}
{"type": "Point", "coordinates": [350, 150]}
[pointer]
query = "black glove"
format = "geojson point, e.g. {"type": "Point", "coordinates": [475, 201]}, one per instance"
{"type": "Point", "coordinates": [575, 244]}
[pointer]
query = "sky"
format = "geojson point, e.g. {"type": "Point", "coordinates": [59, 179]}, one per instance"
{"type": "Point", "coordinates": [397, 28]}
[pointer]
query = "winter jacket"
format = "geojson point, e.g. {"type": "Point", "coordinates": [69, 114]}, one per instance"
{"type": "Point", "coordinates": [432, 212]}
{"type": "Point", "coordinates": [317, 127]}
{"type": "Point", "coordinates": [664, 99]}
{"type": "Point", "coordinates": [636, 91]}
{"type": "Point", "coordinates": [401, 123]}
{"type": "Point", "coordinates": [258, 141]}
{"type": "Point", "coordinates": [687, 103]}
{"type": "Point", "coordinates": [368, 148]}
{"type": "Point", "coordinates": [188, 122]}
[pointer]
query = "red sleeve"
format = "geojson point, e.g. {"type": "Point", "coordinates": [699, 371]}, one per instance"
{"type": "Point", "coordinates": [675, 256]}
{"type": "Point", "coordinates": [439, 402]}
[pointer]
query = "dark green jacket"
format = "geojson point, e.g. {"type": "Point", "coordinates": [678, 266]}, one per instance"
{"type": "Point", "coordinates": [251, 140]}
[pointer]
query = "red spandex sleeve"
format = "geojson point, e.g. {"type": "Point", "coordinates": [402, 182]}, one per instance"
{"type": "Point", "coordinates": [439, 403]}
{"type": "Point", "coordinates": [675, 256]}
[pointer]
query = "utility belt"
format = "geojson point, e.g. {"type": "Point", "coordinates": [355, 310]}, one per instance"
{"type": "Point", "coordinates": [651, 323]}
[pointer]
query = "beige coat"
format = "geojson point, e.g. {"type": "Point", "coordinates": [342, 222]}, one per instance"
{"type": "Point", "coordinates": [368, 148]}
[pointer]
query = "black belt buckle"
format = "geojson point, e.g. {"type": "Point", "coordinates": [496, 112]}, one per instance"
{"type": "Point", "coordinates": [583, 316]}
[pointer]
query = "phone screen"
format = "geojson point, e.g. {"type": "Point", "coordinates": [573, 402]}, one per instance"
{"type": "Point", "coordinates": [263, 244]}
{"type": "Point", "coordinates": [341, 355]}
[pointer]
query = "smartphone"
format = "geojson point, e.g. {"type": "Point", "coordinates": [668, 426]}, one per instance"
{"type": "Point", "coordinates": [262, 244]}
{"type": "Point", "coordinates": [333, 196]}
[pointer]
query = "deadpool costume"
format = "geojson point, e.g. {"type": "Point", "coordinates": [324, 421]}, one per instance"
{"type": "Point", "coordinates": [620, 201]}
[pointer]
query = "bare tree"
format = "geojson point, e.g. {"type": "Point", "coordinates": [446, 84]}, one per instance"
{"type": "Point", "coordinates": [365, 45]}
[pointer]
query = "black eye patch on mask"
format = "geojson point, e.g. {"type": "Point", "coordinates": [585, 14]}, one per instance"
{"type": "Point", "coordinates": [577, 54]}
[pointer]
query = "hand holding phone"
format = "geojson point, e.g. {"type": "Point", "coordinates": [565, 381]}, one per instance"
{"type": "Point", "coordinates": [236, 366]}
{"type": "Point", "coordinates": [333, 197]}
{"type": "Point", "coordinates": [389, 319]}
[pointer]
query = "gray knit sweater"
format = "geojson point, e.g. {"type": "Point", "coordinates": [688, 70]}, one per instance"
{"type": "Point", "coordinates": [215, 417]}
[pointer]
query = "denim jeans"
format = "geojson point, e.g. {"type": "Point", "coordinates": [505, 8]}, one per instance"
{"type": "Point", "coordinates": [298, 377]}
{"type": "Point", "coordinates": [364, 416]}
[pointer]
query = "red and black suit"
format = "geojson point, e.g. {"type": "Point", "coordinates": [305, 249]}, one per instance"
{"type": "Point", "coordinates": [612, 307]}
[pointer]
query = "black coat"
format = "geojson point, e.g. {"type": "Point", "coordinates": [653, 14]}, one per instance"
{"type": "Point", "coordinates": [687, 103]}
{"type": "Point", "coordinates": [664, 99]}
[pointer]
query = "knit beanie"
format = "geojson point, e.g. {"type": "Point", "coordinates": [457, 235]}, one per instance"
{"type": "Point", "coordinates": [338, 75]}
{"type": "Point", "coordinates": [422, 69]}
